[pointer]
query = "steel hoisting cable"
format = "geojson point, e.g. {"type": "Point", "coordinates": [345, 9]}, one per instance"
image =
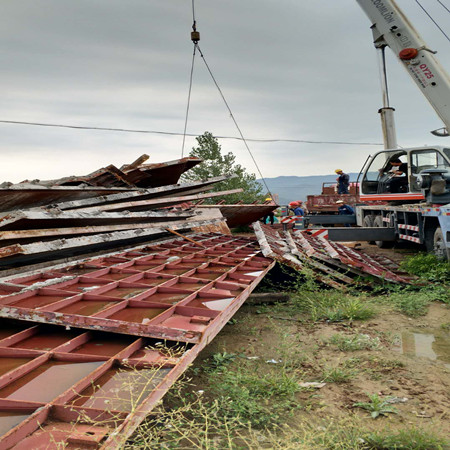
{"type": "Point", "coordinates": [195, 37]}
{"type": "Point", "coordinates": [189, 101]}
{"type": "Point", "coordinates": [234, 120]}
{"type": "Point", "coordinates": [445, 7]}
{"type": "Point", "coordinates": [431, 18]}
{"type": "Point", "coordinates": [194, 29]}
{"type": "Point", "coordinates": [193, 11]}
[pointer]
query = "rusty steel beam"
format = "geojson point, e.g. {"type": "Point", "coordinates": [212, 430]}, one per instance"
{"type": "Point", "coordinates": [191, 187]}
{"type": "Point", "coordinates": [159, 202]}
{"type": "Point", "coordinates": [19, 197]}
{"type": "Point", "coordinates": [240, 214]}
{"type": "Point", "coordinates": [61, 245]}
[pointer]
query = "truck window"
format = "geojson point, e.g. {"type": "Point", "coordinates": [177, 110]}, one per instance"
{"type": "Point", "coordinates": [427, 159]}
{"type": "Point", "coordinates": [379, 162]}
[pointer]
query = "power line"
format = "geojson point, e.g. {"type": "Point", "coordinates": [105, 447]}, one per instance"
{"type": "Point", "coordinates": [168, 133]}
{"type": "Point", "coordinates": [431, 18]}
{"type": "Point", "coordinates": [445, 7]}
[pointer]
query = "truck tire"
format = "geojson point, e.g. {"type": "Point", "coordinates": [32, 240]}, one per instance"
{"type": "Point", "coordinates": [428, 238]}
{"type": "Point", "coordinates": [378, 222]}
{"type": "Point", "coordinates": [439, 247]}
{"type": "Point", "coordinates": [368, 223]}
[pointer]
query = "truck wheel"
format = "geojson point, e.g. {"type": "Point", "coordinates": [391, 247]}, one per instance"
{"type": "Point", "coordinates": [428, 238]}
{"type": "Point", "coordinates": [378, 223]}
{"type": "Point", "coordinates": [439, 248]}
{"type": "Point", "coordinates": [368, 223]}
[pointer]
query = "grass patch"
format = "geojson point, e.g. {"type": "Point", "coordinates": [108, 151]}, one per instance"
{"type": "Point", "coordinates": [333, 306]}
{"type": "Point", "coordinates": [411, 439]}
{"type": "Point", "coordinates": [412, 304]}
{"type": "Point", "coordinates": [199, 425]}
{"type": "Point", "coordinates": [355, 342]}
{"type": "Point", "coordinates": [428, 267]}
{"type": "Point", "coordinates": [338, 374]}
{"type": "Point", "coordinates": [259, 400]}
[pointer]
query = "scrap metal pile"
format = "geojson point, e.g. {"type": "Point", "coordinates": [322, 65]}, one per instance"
{"type": "Point", "coordinates": [101, 307]}
{"type": "Point", "coordinates": [111, 207]}
{"type": "Point", "coordinates": [328, 262]}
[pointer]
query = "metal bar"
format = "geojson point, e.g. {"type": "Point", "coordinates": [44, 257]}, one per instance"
{"type": "Point", "coordinates": [185, 237]}
{"type": "Point", "coordinates": [361, 234]}
{"type": "Point", "coordinates": [330, 219]}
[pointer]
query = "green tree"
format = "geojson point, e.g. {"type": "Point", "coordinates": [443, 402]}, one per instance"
{"type": "Point", "coordinates": [215, 164]}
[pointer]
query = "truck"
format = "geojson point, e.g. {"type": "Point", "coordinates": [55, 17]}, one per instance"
{"type": "Point", "coordinates": [412, 184]}
{"type": "Point", "coordinates": [325, 202]}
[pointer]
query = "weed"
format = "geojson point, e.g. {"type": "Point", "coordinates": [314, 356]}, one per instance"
{"type": "Point", "coordinates": [219, 361]}
{"type": "Point", "coordinates": [445, 326]}
{"type": "Point", "coordinates": [193, 424]}
{"type": "Point", "coordinates": [338, 374]}
{"type": "Point", "coordinates": [355, 342]}
{"type": "Point", "coordinates": [377, 406]}
{"type": "Point", "coordinates": [427, 266]}
{"type": "Point", "coordinates": [260, 400]}
{"type": "Point", "coordinates": [413, 304]}
{"type": "Point", "coordinates": [333, 307]}
{"type": "Point", "coordinates": [413, 439]}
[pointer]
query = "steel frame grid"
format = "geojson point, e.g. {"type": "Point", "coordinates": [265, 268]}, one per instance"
{"type": "Point", "coordinates": [198, 282]}
{"type": "Point", "coordinates": [95, 363]}
{"type": "Point", "coordinates": [52, 418]}
{"type": "Point", "coordinates": [369, 265]}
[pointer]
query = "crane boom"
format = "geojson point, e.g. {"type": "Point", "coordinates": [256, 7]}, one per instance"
{"type": "Point", "coordinates": [392, 28]}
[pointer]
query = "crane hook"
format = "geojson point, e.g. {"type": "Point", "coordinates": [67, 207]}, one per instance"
{"type": "Point", "coordinates": [195, 35]}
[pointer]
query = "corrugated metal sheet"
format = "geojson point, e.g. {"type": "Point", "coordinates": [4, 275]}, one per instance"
{"type": "Point", "coordinates": [332, 263]}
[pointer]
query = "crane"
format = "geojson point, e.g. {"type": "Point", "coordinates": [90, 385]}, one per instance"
{"type": "Point", "coordinates": [410, 186]}
{"type": "Point", "coordinates": [391, 28]}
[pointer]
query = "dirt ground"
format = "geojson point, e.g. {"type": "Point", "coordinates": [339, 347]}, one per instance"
{"type": "Point", "coordinates": [410, 365]}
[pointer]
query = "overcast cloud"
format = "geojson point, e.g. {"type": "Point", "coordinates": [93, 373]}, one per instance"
{"type": "Point", "coordinates": [289, 69]}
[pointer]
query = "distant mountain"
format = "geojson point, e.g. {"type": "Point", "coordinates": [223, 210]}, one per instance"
{"type": "Point", "coordinates": [297, 188]}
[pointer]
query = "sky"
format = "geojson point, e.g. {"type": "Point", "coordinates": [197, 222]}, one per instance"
{"type": "Point", "coordinates": [289, 69]}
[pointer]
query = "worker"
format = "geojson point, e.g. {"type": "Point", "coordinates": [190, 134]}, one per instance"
{"type": "Point", "coordinates": [399, 176]}
{"type": "Point", "coordinates": [269, 216]}
{"type": "Point", "coordinates": [345, 210]}
{"type": "Point", "coordinates": [303, 206]}
{"type": "Point", "coordinates": [296, 208]}
{"type": "Point", "coordinates": [343, 181]}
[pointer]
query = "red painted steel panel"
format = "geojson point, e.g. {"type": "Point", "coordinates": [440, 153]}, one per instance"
{"type": "Point", "coordinates": [57, 385]}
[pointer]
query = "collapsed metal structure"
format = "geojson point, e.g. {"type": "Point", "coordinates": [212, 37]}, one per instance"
{"type": "Point", "coordinates": [92, 389]}
{"type": "Point", "coordinates": [330, 263]}
{"type": "Point", "coordinates": [102, 308]}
